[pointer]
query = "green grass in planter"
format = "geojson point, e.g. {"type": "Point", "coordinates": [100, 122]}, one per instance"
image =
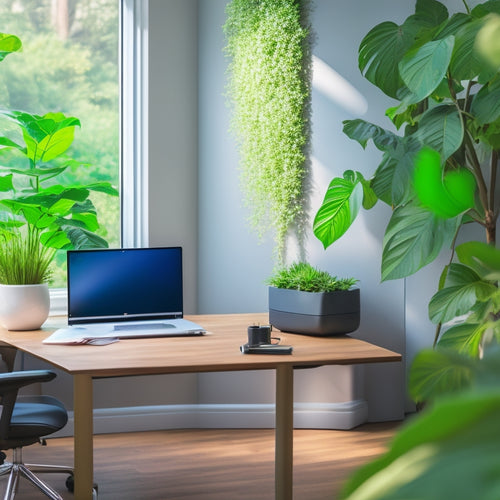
{"type": "Point", "coordinates": [23, 260]}
{"type": "Point", "coordinates": [303, 276]}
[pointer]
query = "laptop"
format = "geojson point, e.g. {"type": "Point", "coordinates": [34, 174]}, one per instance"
{"type": "Point", "coordinates": [124, 293]}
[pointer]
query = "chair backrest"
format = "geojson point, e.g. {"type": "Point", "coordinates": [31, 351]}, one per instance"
{"type": "Point", "coordinates": [10, 383]}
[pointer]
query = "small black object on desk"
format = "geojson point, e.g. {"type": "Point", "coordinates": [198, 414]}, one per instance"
{"type": "Point", "coordinates": [260, 342]}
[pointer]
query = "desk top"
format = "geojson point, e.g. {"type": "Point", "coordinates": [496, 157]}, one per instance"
{"type": "Point", "coordinates": [215, 352]}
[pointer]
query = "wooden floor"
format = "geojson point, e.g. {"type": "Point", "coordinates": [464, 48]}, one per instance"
{"type": "Point", "coordinates": [213, 464]}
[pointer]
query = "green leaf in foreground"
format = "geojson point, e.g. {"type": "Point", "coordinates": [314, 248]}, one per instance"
{"type": "Point", "coordinates": [449, 451]}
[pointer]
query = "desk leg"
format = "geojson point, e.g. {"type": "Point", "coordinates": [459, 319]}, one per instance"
{"type": "Point", "coordinates": [284, 433]}
{"type": "Point", "coordinates": [83, 440]}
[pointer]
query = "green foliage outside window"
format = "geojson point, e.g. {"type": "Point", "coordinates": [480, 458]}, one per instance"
{"type": "Point", "coordinates": [268, 42]}
{"type": "Point", "coordinates": [39, 214]}
{"type": "Point", "coordinates": [70, 66]}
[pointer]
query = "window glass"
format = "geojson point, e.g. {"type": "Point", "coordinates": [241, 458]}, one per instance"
{"type": "Point", "coordinates": [69, 64]}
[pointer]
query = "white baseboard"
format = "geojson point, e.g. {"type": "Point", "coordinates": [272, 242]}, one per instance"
{"type": "Point", "coordinates": [222, 416]}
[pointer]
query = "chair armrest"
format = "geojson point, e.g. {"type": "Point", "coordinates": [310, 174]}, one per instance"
{"type": "Point", "coordinates": [15, 380]}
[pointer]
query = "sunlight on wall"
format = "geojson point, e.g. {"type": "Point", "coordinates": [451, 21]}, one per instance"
{"type": "Point", "coordinates": [327, 81]}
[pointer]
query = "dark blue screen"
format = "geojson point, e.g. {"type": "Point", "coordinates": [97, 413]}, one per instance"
{"type": "Point", "coordinates": [138, 283]}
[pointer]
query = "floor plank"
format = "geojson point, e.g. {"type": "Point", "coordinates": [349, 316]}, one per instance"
{"type": "Point", "coordinates": [213, 464]}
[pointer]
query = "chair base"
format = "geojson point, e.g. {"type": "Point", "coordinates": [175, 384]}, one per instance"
{"type": "Point", "coordinates": [17, 468]}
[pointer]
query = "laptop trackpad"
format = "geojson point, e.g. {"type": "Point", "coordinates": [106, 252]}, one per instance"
{"type": "Point", "coordinates": [142, 326]}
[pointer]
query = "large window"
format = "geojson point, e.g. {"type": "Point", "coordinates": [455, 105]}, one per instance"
{"type": "Point", "coordinates": [70, 64]}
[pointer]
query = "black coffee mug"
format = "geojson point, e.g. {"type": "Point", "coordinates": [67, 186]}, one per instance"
{"type": "Point", "coordinates": [258, 335]}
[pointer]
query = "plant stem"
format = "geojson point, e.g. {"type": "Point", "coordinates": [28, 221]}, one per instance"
{"type": "Point", "coordinates": [446, 269]}
{"type": "Point", "coordinates": [493, 178]}
{"type": "Point", "coordinates": [471, 154]}
{"type": "Point", "coordinates": [436, 334]}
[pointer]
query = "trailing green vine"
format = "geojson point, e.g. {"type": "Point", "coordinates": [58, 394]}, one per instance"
{"type": "Point", "coordinates": [268, 42]}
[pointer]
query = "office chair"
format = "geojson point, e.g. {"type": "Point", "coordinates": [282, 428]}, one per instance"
{"type": "Point", "coordinates": [25, 420]}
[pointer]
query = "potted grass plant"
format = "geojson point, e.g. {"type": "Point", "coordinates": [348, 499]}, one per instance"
{"type": "Point", "coordinates": [41, 211]}
{"type": "Point", "coordinates": [24, 276]}
{"type": "Point", "coordinates": [304, 299]}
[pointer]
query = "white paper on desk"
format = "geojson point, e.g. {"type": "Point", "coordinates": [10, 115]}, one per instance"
{"type": "Point", "coordinates": [73, 335]}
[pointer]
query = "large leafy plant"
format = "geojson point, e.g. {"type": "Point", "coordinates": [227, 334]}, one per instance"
{"type": "Point", "coordinates": [450, 450]}
{"type": "Point", "coordinates": [469, 302]}
{"type": "Point", "coordinates": [61, 214]}
{"type": "Point", "coordinates": [449, 95]}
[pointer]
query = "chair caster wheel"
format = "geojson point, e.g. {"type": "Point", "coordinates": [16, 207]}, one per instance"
{"type": "Point", "coordinates": [70, 485]}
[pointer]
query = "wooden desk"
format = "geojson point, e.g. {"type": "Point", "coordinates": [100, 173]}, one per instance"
{"type": "Point", "coordinates": [216, 352]}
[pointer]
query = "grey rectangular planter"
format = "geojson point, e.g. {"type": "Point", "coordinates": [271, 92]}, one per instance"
{"type": "Point", "coordinates": [314, 313]}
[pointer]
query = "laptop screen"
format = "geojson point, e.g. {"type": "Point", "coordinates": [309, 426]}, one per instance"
{"type": "Point", "coordinates": [124, 284]}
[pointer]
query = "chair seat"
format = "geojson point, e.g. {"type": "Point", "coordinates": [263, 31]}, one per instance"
{"type": "Point", "coordinates": [36, 418]}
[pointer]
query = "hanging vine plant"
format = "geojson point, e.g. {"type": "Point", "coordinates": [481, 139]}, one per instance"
{"type": "Point", "coordinates": [269, 86]}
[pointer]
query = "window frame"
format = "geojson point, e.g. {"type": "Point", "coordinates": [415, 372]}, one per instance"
{"type": "Point", "coordinates": [133, 117]}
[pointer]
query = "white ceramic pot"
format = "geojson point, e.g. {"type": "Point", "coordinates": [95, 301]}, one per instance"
{"type": "Point", "coordinates": [24, 307]}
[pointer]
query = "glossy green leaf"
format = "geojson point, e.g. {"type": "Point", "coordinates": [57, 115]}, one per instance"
{"type": "Point", "coordinates": [483, 258]}
{"type": "Point", "coordinates": [445, 194]}
{"type": "Point", "coordinates": [84, 207]}
{"type": "Point", "coordinates": [62, 206]}
{"type": "Point", "coordinates": [462, 289]}
{"type": "Point", "coordinates": [491, 135]}
{"type": "Point", "coordinates": [431, 12]}
{"type": "Point", "coordinates": [103, 187]}
{"type": "Point", "coordinates": [8, 45]}
{"type": "Point", "coordinates": [436, 372]}
{"type": "Point", "coordinates": [413, 238]}
{"type": "Point", "coordinates": [369, 197]}
{"type": "Point", "coordinates": [82, 239]}
{"type": "Point", "coordinates": [341, 205]}
{"type": "Point", "coordinates": [449, 451]}
{"type": "Point", "coordinates": [392, 182]}
{"type": "Point", "coordinates": [464, 338]}
{"type": "Point", "coordinates": [6, 182]}
{"type": "Point", "coordinates": [424, 68]}
{"type": "Point", "coordinates": [51, 146]}
{"type": "Point", "coordinates": [361, 131]}
{"type": "Point", "coordinates": [55, 239]}
{"type": "Point", "coordinates": [37, 172]}
{"type": "Point", "coordinates": [441, 129]}
{"type": "Point", "coordinates": [452, 25]}
{"type": "Point", "coordinates": [488, 40]}
{"type": "Point", "coordinates": [5, 142]}
{"type": "Point", "coordinates": [380, 52]}
{"type": "Point", "coordinates": [486, 103]}
{"type": "Point", "coordinates": [485, 8]}
{"type": "Point", "coordinates": [86, 220]}
{"type": "Point", "coordinates": [46, 137]}
{"type": "Point", "coordinates": [466, 62]}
